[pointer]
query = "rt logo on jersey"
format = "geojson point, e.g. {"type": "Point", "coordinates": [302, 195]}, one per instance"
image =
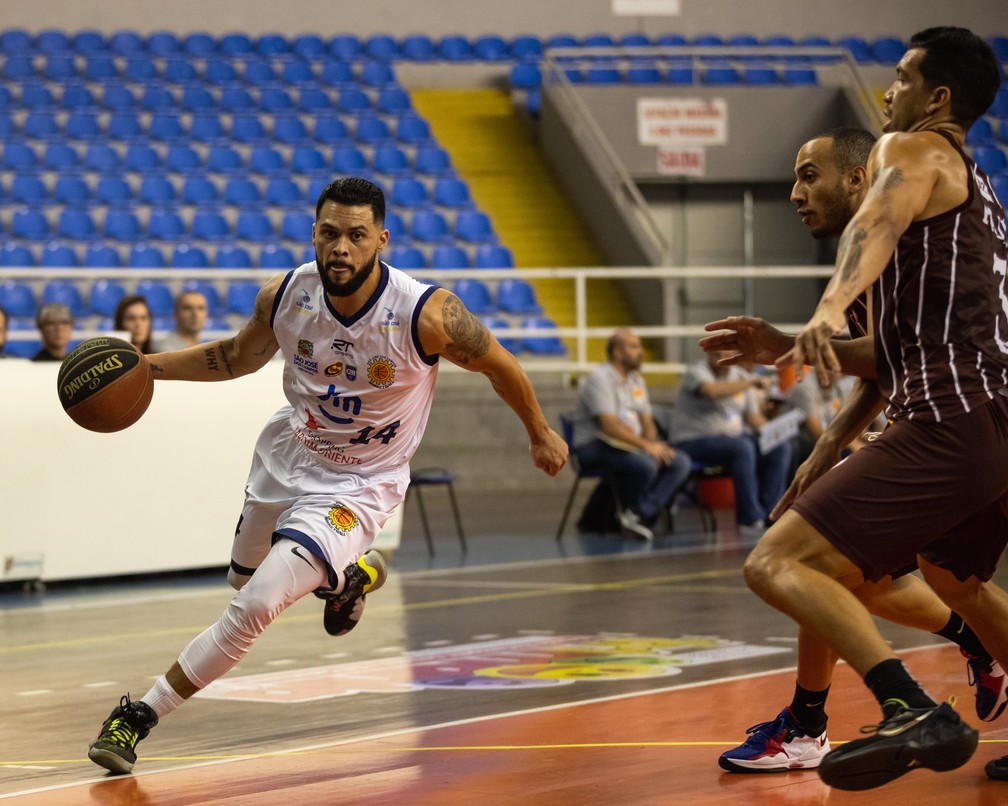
{"type": "Point", "coordinates": [342, 346]}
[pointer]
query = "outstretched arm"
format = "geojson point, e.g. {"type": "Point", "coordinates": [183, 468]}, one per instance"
{"type": "Point", "coordinates": [242, 354]}
{"type": "Point", "coordinates": [447, 328]}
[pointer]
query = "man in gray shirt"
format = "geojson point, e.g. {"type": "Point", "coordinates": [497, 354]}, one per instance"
{"type": "Point", "coordinates": [614, 431]}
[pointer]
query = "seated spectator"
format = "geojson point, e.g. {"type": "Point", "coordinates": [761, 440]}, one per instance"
{"type": "Point", "coordinates": [55, 324]}
{"type": "Point", "coordinates": [717, 415]}
{"type": "Point", "coordinates": [3, 332]}
{"type": "Point", "coordinates": [615, 431]}
{"type": "Point", "coordinates": [133, 316]}
{"type": "Point", "coordinates": [190, 318]}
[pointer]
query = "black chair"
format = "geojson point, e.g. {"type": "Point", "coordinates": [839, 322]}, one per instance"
{"type": "Point", "coordinates": [429, 477]}
{"type": "Point", "coordinates": [606, 477]}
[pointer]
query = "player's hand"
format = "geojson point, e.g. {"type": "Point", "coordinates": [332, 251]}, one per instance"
{"type": "Point", "coordinates": [813, 346]}
{"type": "Point", "coordinates": [549, 454]}
{"type": "Point", "coordinates": [747, 339]}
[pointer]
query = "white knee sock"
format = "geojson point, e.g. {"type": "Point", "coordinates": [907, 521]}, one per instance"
{"type": "Point", "coordinates": [162, 697]}
{"type": "Point", "coordinates": [281, 580]}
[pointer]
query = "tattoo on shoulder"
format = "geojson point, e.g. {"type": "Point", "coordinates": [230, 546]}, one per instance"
{"type": "Point", "coordinates": [893, 179]}
{"type": "Point", "coordinates": [469, 339]}
{"type": "Point", "coordinates": [850, 254]}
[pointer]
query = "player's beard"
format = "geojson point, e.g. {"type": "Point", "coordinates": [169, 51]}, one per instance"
{"type": "Point", "coordinates": [352, 285]}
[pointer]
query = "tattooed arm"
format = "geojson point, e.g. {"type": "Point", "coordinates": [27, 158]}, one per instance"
{"type": "Point", "coordinates": [904, 170]}
{"type": "Point", "coordinates": [222, 360]}
{"type": "Point", "coordinates": [447, 328]}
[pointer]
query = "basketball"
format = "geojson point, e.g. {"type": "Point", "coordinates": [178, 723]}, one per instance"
{"type": "Point", "coordinates": [105, 384]}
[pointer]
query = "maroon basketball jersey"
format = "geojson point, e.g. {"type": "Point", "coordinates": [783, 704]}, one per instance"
{"type": "Point", "coordinates": [941, 309]}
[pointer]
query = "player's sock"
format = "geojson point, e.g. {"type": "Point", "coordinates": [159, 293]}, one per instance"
{"type": "Point", "coordinates": [894, 688]}
{"type": "Point", "coordinates": [809, 709]}
{"type": "Point", "coordinates": [162, 698]}
{"type": "Point", "coordinates": [959, 632]}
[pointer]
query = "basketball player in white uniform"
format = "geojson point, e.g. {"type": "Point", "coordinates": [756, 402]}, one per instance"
{"type": "Point", "coordinates": [361, 342]}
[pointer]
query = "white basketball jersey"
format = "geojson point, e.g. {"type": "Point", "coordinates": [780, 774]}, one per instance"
{"type": "Point", "coordinates": [361, 387]}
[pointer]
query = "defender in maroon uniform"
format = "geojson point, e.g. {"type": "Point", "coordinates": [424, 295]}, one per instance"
{"type": "Point", "coordinates": [934, 486]}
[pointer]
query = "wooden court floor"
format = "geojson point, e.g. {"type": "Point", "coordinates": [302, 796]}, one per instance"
{"type": "Point", "coordinates": [590, 674]}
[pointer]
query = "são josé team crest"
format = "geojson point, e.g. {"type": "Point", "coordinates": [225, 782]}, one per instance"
{"type": "Point", "coordinates": [341, 518]}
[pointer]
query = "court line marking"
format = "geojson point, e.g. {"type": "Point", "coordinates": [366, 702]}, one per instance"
{"type": "Point", "coordinates": [209, 761]}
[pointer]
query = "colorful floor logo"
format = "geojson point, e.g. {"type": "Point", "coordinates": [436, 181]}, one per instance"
{"type": "Point", "coordinates": [525, 662]}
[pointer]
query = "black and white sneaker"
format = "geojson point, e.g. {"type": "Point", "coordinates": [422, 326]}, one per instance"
{"type": "Point", "coordinates": [115, 746]}
{"type": "Point", "coordinates": [344, 608]}
{"type": "Point", "coordinates": [934, 738]}
{"type": "Point", "coordinates": [631, 524]}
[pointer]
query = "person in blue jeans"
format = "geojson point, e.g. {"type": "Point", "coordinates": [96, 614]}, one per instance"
{"type": "Point", "coordinates": [614, 430]}
{"type": "Point", "coordinates": [716, 420]}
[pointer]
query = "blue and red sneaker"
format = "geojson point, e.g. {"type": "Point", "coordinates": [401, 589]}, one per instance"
{"type": "Point", "coordinates": [991, 683]}
{"type": "Point", "coordinates": [777, 746]}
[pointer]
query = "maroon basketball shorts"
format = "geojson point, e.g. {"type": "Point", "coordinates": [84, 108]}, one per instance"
{"type": "Point", "coordinates": [939, 490]}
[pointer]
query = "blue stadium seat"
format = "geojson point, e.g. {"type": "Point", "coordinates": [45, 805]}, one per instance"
{"type": "Point", "coordinates": [123, 126]}
{"type": "Point", "coordinates": [888, 49]}
{"type": "Point", "coordinates": [348, 160]}
{"type": "Point", "coordinates": [165, 225]}
{"type": "Point", "coordinates": [40, 124]}
{"type": "Point", "coordinates": [858, 47]}
{"type": "Point", "coordinates": [82, 126]}
{"type": "Point", "coordinates": [8, 126]}
{"type": "Point", "coordinates": [61, 157]}
{"type": "Point", "coordinates": [526, 47]}
{"type": "Point", "coordinates": [297, 226]}
{"type": "Point", "coordinates": [720, 73]}
{"type": "Point", "coordinates": [59, 67]}
{"type": "Point", "coordinates": [298, 73]}
{"type": "Point", "coordinates": [312, 99]}
{"type": "Point", "coordinates": [309, 46]}
{"type": "Point", "coordinates": [258, 72]}
{"type": "Point", "coordinates": [272, 44]}
{"type": "Point", "coordinates": [104, 295]}
{"type": "Point", "coordinates": [542, 345]}
{"type": "Point", "coordinates": [113, 190]}
{"type": "Point", "coordinates": [999, 183]}
{"type": "Point", "coordinates": [155, 98]}
{"type": "Point", "coordinates": [307, 160]}
{"type": "Point", "coordinates": [396, 226]}
{"type": "Point", "coordinates": [196, 97]}
{"type": "Point", "coordinates": [125, 43]}
{"type": "Point", "coordinates": [215, 305]}
{"type": "Point", "coordinates": [275, 100]}
{"type": "Point", "coordinates": [432, 160]}
{"type": "Point", "coordinates": [28, 189]}
{"type": "Point", "coordinates": [119, 97]}
{"type": "Point", "coordinates": [561, 41]}
{"type": "Point", "coordinates": [634, 40]}
{"type": "Point", "coordinates": [100, 68]}
{"type": "Point", "coordinates": [799, 75]}
{"type": "Point", "coordinates": [65, 292]}
{"type": "Point", "coordinates": [283, 192]}
{"type": "Point", "coordinates": [473, 226]}
{"type": "Point", "coordinates": [187, 256]}
{"type": "Point", "coordinates": [451, 192]}
{"type": "Point", "coordinates": [163, 43]}
{"type": "Point", "coordinates": [290, 130]}
{"type": "Point", "coordinates": [139, 69]}
{"type": "Point", "coordinates": [71, 190]}
{"type": "Point", "coordinates": [413, 130]}
{"type": "Point", "coordinates": [199, 43]}
{"type": "Point", "coordinates": [199, 191]}
{"type": "Point", "coordinates": [680, 71]}
{"type": "Point", "coordinates": [814, 42]}
{"type": "Point", "coordinates": [517, 296]}
{"type": "Point", "coordinates": [158, 295]}
{"type": "Point", "coordinates": [206, 128]}
{"type": "Point", "coordinates": [102, 256]}
{"type": "Point", "coordinates": [18, 67]}
{"type": "Point", "coordinates": [219, 71]}
{"type": "Point", "coordinates": [101, 157]}
{"type": "Point", "coordinates": [759, 74]}
{"type": "Point", "coordinates": [233, 257]}
{"type": "Point", "coordinates": [598, 40]}
{"type": "Point", "coordinates": [142, 158]}
{"type": "Point", "coordinates": [88, 41]}
{"type": "Point", "coordinates": [235, 44]}
{"type": "Point", "coordinates": [254, 226]}
{"type": "Point", "coordinates": [429, 226]}
{"type": "Point", "coordinates": [330, 130]}
{"type": "Point", "coordinates": [29, 224]}
{"type": "Point", "coordinates": [145, 256]}
{"type": "Point", "coordinates": [643, 72]}
{"type": "Point", "coordinates": [345, 46]}
{"type": "Point", "coordinates": [352, 99]}
{"type": "Point", "coordinates": [166, 127]}
{"type": "Point", "coordinates": [236, 99]}
{"type": "Point", "coordinates": [248, 129]}
{"type": "Point", "coordinates": [57, 255]}
{"type": "Point", "coordinates": [408, 192]}
{"type": "Point", "coordinates": [121, 225]}
{"type": "Point", "coordinates": [381, 47]}
{"type": "Point", "coordinates": [377, 74]}
{"type": "Point", "coordinates": [223, 159]}
{"type": "Point", "coordinates": [182, 159]}
{"type": "Point", "coordinates": [493, 256]}
{"type": "Point", "coordinates": [406, 257]}
{"type": "Point", "coordinates": [447, 256]}
{"type": "Point", "coordinates": [16, 297]}
{"type": "Point", "coordinates": [526, 75]}
{"type": "Point", "coordinates": [75, 224]}
{"type": "Point", "coordinates": [336, 74]}
{"type": "Point", "coordinates": [242, 192]}
{"type": "Point", "coordinates": [18, 156]}
{"type": "Point", "coordinates": [393, 100]}
{"type": "Point", "coordinates": [77, 96]}
{"type": "Point", "coordinates": [990, 159]}
{"type": "Point", "coordinates": [267, 161]}
{"type": "Point", "coordinates": [15, 40]}
{"type": "Point", "coordinates": [981, 133]}
{"type": "Point", "coordinates": [491, 48]}
{"type": "Point", "coordinates": [602, 73]}
{"type": "Point", "coordinates": [390, 160]}
{"type": "Point", "coordinates": [179, 70]}
{"type": "Point", "coordinates": [455, 48]}
{"type": "Point", "coordinates": [1000, 106]}
{"type": "Point", "coordinates": [241, 296]}
{"type": "Point", "coordinates": [276, 257]}
{"type": "Point", "coordinates": [373, 131]}
{"type": "Point", "coordinates": [16, 256]}
{"type": "Point", "coordinates": [418, 48]}
{"type": "Point", "coordinates": [475, 295]}
{"type": "Point", "coordinates": [209, 225]}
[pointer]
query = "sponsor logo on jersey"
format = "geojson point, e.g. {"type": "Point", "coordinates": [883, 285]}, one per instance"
{"type": "Point", "coordinates": [304, 304]}
{"type": "Point", "coordinates": [381, 372]}
{"type": "Point", "coordinates": [334, 369]}
{"type": "Point", "coordinates": [390, 322]}
{"type": "Point", "coordinates": [341, 518]}
{"type": "Point", "coordinates": [305, 365]}
{"type": "Point", "coordinates": [306, 348]}
{"type": "Point", "coordinates": [351, 372]}
{"type": "Point", "coordinates": [342, 346]}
